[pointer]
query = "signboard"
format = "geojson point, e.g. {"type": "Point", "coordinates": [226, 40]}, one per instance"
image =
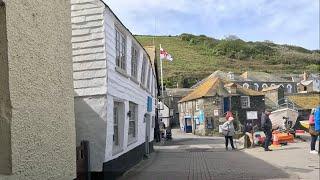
{"type": "Point", "coordinates": [252, 115]}
{"type": "Point", "coordinates": [149, 104]}
{"type": "Point", "coordinates": [197, 121]}
{"type": "Point", "coordinates": [216, 112]}
{"type": "Point", "coordinates": [201, 117]}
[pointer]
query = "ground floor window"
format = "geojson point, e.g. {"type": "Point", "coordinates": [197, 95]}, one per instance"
{"type": "Point", "coordinates": [116, 118]}
{"type": "Point", "coordinates": [133, 118]}
{"type": "Point", "coordinates": [209, 123]}
{"type": "Point", "coordinates": [245, 101]}
{"type": "Point", "coordinates": [118, 126]}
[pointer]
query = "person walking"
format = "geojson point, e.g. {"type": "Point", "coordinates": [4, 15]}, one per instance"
{"type": "Point", "coordinates": [314, 134]}
{"type": "Point", "coordinates": [266, 126]}
{"type": "Point", "coordinates": [162, 128]}
{"type": "Point", "coordinates": [228, 132]}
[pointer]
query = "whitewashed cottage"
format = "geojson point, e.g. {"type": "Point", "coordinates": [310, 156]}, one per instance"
{"type": "Point", "coordinates": [115, 89]}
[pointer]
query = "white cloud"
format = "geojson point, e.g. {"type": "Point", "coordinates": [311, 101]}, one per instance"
{"type": "Point", "coordinates": [279, 20]}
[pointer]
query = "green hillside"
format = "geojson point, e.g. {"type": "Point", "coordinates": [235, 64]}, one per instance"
{"type": "Point", "coordinates": [195, 57]}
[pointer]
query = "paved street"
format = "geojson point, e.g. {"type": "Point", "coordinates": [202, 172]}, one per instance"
{"type": "Point", "coordinates": [192, 157]}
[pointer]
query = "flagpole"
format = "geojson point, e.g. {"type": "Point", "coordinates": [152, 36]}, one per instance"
{"type": "Point", "coordinates": [161, 75]}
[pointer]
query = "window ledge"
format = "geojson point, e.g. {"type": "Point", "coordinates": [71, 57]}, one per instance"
{"type": "Point", "coordinates": [245, 107]}
{"type": "Point", "coordinates": [122, 72]}
{"type": "Point", "coordinates": [134, 80]}
{"type": "Point", "coordinates": [143, 87]}
{"type": "Point", "coordinates": [116, 151]}
{"type": "Point", "coordinates": [132, 141]}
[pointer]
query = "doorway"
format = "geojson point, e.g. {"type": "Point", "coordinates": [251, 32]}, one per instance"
{"type": "Point", "coordinates": [226, 104]}
{"type": "Point", "coordinates": [188, 125]}
{"type": "Point", "coordinates": [147, 120]}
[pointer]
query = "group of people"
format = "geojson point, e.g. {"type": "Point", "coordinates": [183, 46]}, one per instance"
{"type": "Point", "coordinates": [228, 129]}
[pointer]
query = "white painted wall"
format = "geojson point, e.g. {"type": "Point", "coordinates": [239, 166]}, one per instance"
{"type": "Point", "coordinates": [316, 85]}
{"type": "Point", "coordinates": [88, 47]}
{"type": "Point", "coordinates": [164, 114]}
{"type": "Point", "coordinates": [121, 88]}
{"type": "Point", "coordinates": [90, 77]}
{"type": "Point", "coordinates": [97, 84]}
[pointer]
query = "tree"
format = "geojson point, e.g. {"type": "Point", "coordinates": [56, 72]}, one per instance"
{"type": "Point", "coordinates": [231, 37]}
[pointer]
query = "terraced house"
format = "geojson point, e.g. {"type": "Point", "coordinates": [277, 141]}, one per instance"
{"type": "Point", "coordinates": [115, 87]}
{"type": "Point", "coordinates": [202, 110]}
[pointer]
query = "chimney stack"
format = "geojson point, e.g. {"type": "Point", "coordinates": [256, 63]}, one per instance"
{"type": "Point", "coordinates": [305, 76]}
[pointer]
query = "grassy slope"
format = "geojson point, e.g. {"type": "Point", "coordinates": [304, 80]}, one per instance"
{"type": "Point", "coordinates": [193, 61]}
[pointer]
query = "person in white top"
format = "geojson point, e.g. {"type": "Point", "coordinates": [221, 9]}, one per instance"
{"type": "Point", "coordinates": [228, 132]}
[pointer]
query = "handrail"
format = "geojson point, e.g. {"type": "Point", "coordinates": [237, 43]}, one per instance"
{"type": "Point", "coordinates": [285, 102]}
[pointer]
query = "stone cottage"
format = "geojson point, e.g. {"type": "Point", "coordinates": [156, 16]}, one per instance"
{"type": "Point", "coordinates": [274, 96]}
{"type": "Point", "coordinates": [204, 108]}
{"type": "Point", "coordinates": [37, 133]}
{"type": "Point", "coordinates": [171, 97]}
{"type": "Point", "coordinates": [309, 83]}
{"type": "Point", "coordinates": [115, 88]}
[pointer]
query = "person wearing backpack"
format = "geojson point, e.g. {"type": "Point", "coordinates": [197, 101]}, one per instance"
{"type": "Point", "coordinates": [317, 123]}
{"type": "Point", "coordinates": [266, 126]}
{"type": "Point", "coordinates": [228, 132]}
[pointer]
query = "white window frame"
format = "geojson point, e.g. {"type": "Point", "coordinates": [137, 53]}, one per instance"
{"type": "Point", "coordinates": [151, 84]}
{"type": "Point", "coordinates": [148, 80]}
{"type": "Point", "coordinates": [289, 88]}
{"type": "Point", "coordinates": [264, 86]}
{"type": "Point", "coordinates": [133, 119]}
{"type": "Point", "coordinates": [231, 76]}
{"type": "Point", "coordinates": [155, 86]}
{"type": "Point", "coordinates": [118, 126]}
{"type": "Point", "coordinates": [134, 61]}
{"type": "Point", "coordinates": [182, 107]}
{"type": "Point", "coordinates": [256, 86]}
{"type": "Point", "coordinates": [245, 101]}
{"type": "Point", "coordinates": [120, 44]}
{"type": "Point", "coordinates": [116, 118]}
{"type": "Point", "coordinates": [246, 85]}
{"type": "Point", "coordinates": [197, 105]}
{"type": "Point", "coordinates": [143, 70]}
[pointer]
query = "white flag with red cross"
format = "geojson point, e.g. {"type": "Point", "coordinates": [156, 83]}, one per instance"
{"type": "Point", "coordinates": [164, 55]}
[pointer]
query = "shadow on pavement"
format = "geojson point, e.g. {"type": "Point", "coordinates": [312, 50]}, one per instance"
{"type": "Point", "coordinates": [203, 163]}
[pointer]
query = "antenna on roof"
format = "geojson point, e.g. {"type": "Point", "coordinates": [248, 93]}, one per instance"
{"type": "Point", "coordinates": [155, 30]}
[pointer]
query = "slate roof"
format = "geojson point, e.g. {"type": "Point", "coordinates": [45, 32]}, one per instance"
{"type": "Point", "coordinates": [262, 77]}
{"type": "Point", "coordinates": [306, 101]}
{"type": "Point", "coordinates": [178, 92]}
{"type": "Point", "coordinates": [213, 85]}
{"type": "Point", "coordinates": [271, 88]}
{"type": "Point", "coordinates": [305, 83]}
{"type": "Point", "coordinates": [221, 75]}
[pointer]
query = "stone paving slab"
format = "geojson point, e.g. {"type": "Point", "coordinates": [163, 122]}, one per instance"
{"type": "Point", "coordinates": [189, 157]}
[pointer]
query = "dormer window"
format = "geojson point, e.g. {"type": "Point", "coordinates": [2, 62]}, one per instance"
{"type": "Point", "coordinates": [231, 75]}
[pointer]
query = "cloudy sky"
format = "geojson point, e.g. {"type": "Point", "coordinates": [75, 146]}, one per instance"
{"type": "Point", "coordinates": [293, 22]}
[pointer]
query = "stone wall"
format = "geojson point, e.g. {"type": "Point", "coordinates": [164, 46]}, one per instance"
{"type": "Point", "coordinates": [41, 89]}
{"type": "Point", "coordinates": [5, 104]}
